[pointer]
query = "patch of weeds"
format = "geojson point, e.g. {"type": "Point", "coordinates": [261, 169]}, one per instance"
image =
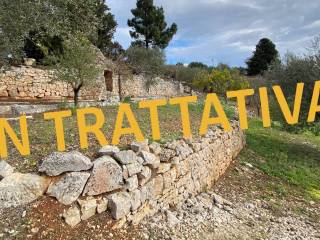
{"type": "Point", "coordinates": [289, 157]}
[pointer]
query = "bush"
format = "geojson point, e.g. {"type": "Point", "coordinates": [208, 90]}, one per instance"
{"type": "Point", "coordinates": [186, 74]}
{"type": "Point", "coordinates": [292, 70]}
{"type": "Point", "coordinates": [220, 81]}
{"type": "Point", "coordinates": [146, 61]}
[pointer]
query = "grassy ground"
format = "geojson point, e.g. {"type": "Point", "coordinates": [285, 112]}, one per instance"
{"type": "Point", "coordinates": [43, 140]}
{"type": "Point", "coordinates": [292, 158]}
{"type": "Point", "coordinates": [285, 174]}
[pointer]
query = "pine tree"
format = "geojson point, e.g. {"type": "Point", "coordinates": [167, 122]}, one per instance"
{"type": "Point", "coordinates": [106, 28]}
{"type": "Point", "coordinates": [263, 56]}
{"type": "Point", "coordinates": [149, 26]}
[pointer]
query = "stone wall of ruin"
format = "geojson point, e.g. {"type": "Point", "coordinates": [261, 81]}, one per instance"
{"type": "Point", "coordinates": [29, 83]}
{"type": "Point", "coordinates": [137, 86]}
{"type": "Point", "coordinates": [131, 184]}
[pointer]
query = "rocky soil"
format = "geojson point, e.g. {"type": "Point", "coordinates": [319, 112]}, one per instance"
{"type": "Point", "coordinates": [242, 214]}
{"type": "Point", "coordinates": [238, 207]}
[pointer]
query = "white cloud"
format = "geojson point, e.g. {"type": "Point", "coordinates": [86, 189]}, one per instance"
{"type": "Point", "coordinates": [315, 24]}
{"type": "Point", "coordinates": [228, 30]}
{"type": "Point", "coordinates": [242, 32]}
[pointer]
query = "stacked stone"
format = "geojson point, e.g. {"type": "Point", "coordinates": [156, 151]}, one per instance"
{"type": "Point", "coordinates": [132, 184]}
{"type": "Point", "coordinates": [137, 87]}
{"type": "Point", "coordinates": [33, 83]}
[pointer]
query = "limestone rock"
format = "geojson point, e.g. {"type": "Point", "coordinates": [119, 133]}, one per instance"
{"type": "Point", "coordinates": [144, 176]}
{"type": "Point", "coordinates": [18, 189]}
{"type": "Point", "coordinates": [126, 157]}
{"type": "Point", "coordinates": [158, 185]}
{"type": "Point", "coordinates": [172, 219]}
{"type": "Point", "coordinates": [102, 205]}
{"type": "Point", "coordinates": [218, 200]}
{"type": "Point", "coordinates": [106, 176]}
{"type": "Point", "coordinates": [125, 173]}
{"type": "Point", "coordinates": [58, 163]}
{"type": "Point", "coordinates": [5, 169]}
{"type": "Point", "coordinates": [150, 159]}
{"type": "Point", "coordinates": [119, 205]}
{"type": "Point", "coordinates": [147, 191]}
{"type": "Point", "coordinates": [135, 198]}
{"type": "Point", "coordinates": [140, 146]}
{"type": "Point", "coordinates": [134, 168]}
{"type": "Point", "coordinates": [164, 167]}
{"type": "Point", "coordinates": [69, 187]}
{"type": "Point", "coordinates": [167, 154]}
{"type": "Point", "coordinates": [88, 207]}
{"type": "Point", "coordinates": [132, 183]}
{"type": "Point", "coordinates": [140, 160]}
{"type": "Point", "coordinates": [143, 212]}
{"type": "Point", "coordinates": [72, 216]}
{"type": "Point", "coordinates": [155, 148]}
{"type": "Point", "coordinates": [109, 150]}
{"type": "Point", "coordinates": [183, 151]}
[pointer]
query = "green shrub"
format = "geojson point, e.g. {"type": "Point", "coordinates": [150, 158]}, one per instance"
{"type": "Point", "coordinates": [292, 70]}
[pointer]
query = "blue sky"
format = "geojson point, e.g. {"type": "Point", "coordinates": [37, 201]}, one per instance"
{"type": "Point", "coordinates": [213, 31]}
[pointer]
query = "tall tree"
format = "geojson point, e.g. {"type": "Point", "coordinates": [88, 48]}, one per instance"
{"type": "Point", "coordinates": [106, 28]}
{"type": "Point", "coordinates": [149, 26]}
{"type": "Point", "coordinates": [263, 56]}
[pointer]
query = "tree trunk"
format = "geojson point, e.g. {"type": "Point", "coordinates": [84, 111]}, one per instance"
{"type": "Point", "coordinates": [76, 91]}
{"type": "Point", "coordinates": [76, 97]}
{"type": "Point", "coordinates": [120, 87]}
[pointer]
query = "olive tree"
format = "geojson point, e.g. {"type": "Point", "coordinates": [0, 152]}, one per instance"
{"type": "Point", "coordinates": [294, 69]}
{"type": "Point", "coordinates": [148, 62]}
{"type": "Point", "coordinates": [78, 65]}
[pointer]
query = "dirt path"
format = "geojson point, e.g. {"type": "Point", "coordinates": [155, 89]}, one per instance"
{"type": "Point", "coordinates": [238, 208]}
{"type": "Point", "coordinates": [241, 206]}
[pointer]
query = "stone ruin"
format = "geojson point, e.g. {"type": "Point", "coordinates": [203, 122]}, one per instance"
{"type": "Point", "coordinates": [132, 184]}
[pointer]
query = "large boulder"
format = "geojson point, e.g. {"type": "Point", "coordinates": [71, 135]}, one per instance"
{"type": "Point", "coordinates": [119, 205]}
{"type": "Point", "coordinates": [106, 176]}
{"type": "Point", "coordinates": [18, 189]}
{"type": "Point", "coordinates": [69, 187]}
{"type": "Point", "coordinates": [58, 163]}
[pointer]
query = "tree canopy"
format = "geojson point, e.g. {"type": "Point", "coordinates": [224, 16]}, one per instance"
{"type": "Point", "coordinates": [42, 25]}
{"type": "Point", "coordinates": [198, 65]}
{"type": "Point", "coordinates": [78, 64]}
{"type": "Point", "coordinates": [149, 26]}
{"type": "Point", "coordinates": [263, 56]}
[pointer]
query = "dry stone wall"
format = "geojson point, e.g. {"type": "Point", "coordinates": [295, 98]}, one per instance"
{"type": "Point", "coordinates": [137, 86]}
{"type": "Point", "coordinates": [29, 83]}
{"type": "Point", "coordinates": [132, 184]}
